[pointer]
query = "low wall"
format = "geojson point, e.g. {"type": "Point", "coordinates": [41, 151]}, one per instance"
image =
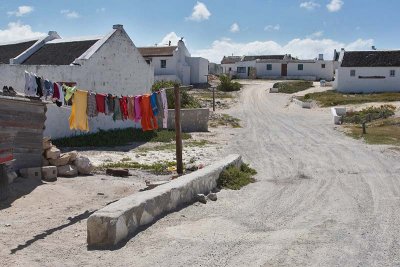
{"type": "Point", "coordinates": [302, 104]}
{"type": "Point", "coordinates": [192, 120]}
{"type": "Point", "coordinates": [337, 114]}
{"type": "Point", "coordinates": [166, 78]}
{"type": "Point", "coordinates": [116, 222]}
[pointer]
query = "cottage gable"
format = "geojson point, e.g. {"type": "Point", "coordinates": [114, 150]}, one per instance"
{"type": "Point", "coordinates": [371, 59]}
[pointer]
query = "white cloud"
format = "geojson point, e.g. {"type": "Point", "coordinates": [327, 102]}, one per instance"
{"type": "Point", "coordinates": [335, 5]}
{"type": "Point", "coordinates": [70, 14]}
{"type": "Point", "coordinates": [316, 34]}
{"type": "Point", "coordinates": [18, 31]}
{"type": "Point", "coordinates": [235, 27]}
{"type": "Point", "coordinates": [310, 5]}
{"type": "Point", "coordinates": [21, 11]}
{"type": "Point", "coordinates": [172, 36]}
{"type": "Point", "coordinates": [101, 10]}
{"type": "Point", "coordinates": [276, 27]}
{"type": "Point", "coordinates": [200, 12]}
{"type": "Point", "coordinates": [302, 48]}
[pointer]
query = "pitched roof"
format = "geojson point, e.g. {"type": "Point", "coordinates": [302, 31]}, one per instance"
{"type": "Point", "coordinates": [59, 53]}
{"type": "Point", "coordinates": [371, 59]}
{"type": "Point", "coordinates": [231, 59]}
{"type": "Point", "coordinates": [263, 57]}
{"type": "Point", "coordinates": [10, 51]}
{"type": "Point", "coordinates": [157, 51]}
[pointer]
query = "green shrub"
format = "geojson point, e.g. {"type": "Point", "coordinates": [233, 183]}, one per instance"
{"type": "Point", "coordinates": [227, 85]}
{"type": "Point", "coordinates": [235, 178]}
{"type": "Point", "coordinates": [292, 87]}
{"type": "Point", "coordinates": [369, 114]}
{"type": "Point", "coordinates": [187, 101]}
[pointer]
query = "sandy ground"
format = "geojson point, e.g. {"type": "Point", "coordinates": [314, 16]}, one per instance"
{"type": "Point", "coordinates": [321, 199]}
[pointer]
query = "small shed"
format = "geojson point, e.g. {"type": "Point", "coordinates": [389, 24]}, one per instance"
{"type": "Point", "coordinates": [21, 126]}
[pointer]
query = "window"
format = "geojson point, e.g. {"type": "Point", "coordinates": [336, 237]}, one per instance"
{"type": "Point", "coordinates": [148, 61]}
{"type": "Point", "coordinates": [323, 66]}
{"type": "Point", "coordinates": [392, 73]}
{"type": "Point", "coordinates": [163, 64]}
{"type": "Point", "coordinates": [352, 73]}
{"type": "Point", "coordinates": [230, 69]}
{"type": "Point", "coordinates": [300, 67]}
{"type": "Point", "coordinates": [241, 69]}
{"type": "Point", "coordinates": [269, 66]}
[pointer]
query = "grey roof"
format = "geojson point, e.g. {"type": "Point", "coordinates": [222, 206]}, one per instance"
{"type": "Point", "coordinates": [371, 59]}
{"type": "Point", "coordinates": [59, 53]}
{"type": "Point", "coordinates": [157, 51]}
{"type": "Point", "coordinates": [10, 51]}
{"type": "Point", "coordinates": [231, 59]}
{"type": "Point", "coordinates": [263, 57]}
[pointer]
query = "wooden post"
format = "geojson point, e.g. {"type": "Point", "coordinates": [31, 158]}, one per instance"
{"type": "Point", "coordinates": [364, 128]}
{"type": "Point", "coordinates": [3, 182]}
{"type": "Point", "coordinates": [213, 98]}
{"type": "Point", "coordinates": [178, 130]}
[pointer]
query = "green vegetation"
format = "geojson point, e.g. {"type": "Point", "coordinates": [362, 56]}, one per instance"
{"type": "Point", "coordinates": [235, 178]}
{"type": "Point", "coordinates": [293, 87]}
{"type": "Point", "coordinates": [334, 98]}
{"type": "Point", "coordinates": [369, 114]}
{"type": "Point", "coordinates": [225, 120]}
{"type": "Point", "coordinates": [187, 101]}
{"type": "Point", "coordinates": [172, 146]}
{"type": "Point", "coordinates": [117, 137]}
{"type": "Point", "coordinates": [208, 95]}
{"type": "Point", "coordinates": [227, 85]}
{"type": "Point", "coordinates": [157, 167]}
{"type": "Point", "coordinates": [381, 132]}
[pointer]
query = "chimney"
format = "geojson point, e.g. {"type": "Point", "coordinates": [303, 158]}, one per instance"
{"type": "Point", "coordinates": [118, 27]}
{"type": "Point", "coordinates": [342, 49]}
{"type": "Point", "coordinates": [169, 43]}
{"type": "Point", "coordinates": [321, 57]}
{"type": "Point", "coordinates": [373, 47]}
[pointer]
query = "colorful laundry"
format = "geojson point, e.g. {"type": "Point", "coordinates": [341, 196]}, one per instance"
{"type": "Point", "coordinates": [131, 108]}
{"type": "Point", "coordinates": [149, 121]}
{"type": "Point", "coordinates": [153, 101]}
{"type": "Point", "coordinates": [165, 108]}
{"type": "Point", "coordinates": [123, 101]}
{"type": "Point", "coordinates": [69, 92]}
{"type": "Point", "coordinates": [138, 111]}
{"type": "Point", "coordinates": [91, 105]}
{"type": "Point", "coordinates": [39, 90]}
{"type": "Point", "coordinates": [78, 119]}
{"type": "Point", "coordinates": [100, 103]}
{"type": "Point", "coordinates": [117, 109]}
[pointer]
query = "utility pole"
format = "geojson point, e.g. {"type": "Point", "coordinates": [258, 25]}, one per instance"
{"type": "Point", "coordinates": [178, 130]}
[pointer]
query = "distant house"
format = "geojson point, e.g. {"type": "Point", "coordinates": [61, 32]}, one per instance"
{"type": "Point", "coordinates": [279, 67]}
{"type": "Point", "coordinates": [108, 64]}
{"type": "Point", "coordinates": [214, 68]}
{"type": "Point", "coordinates": [368, 71]}
{"type": "Point", "coordinates": [174, 63]}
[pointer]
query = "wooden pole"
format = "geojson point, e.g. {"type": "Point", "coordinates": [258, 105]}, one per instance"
{"type": "Point", "coordinates": [213, 98]}
{"type": "Point", "coordinates": [178, 130]}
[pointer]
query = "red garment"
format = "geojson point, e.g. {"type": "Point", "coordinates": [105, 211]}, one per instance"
{"type": "Point", "coordinates": [100, 103]}
{"type": "Point", "coordinates": [149, 121]}
{"type": "Point", "coordinates": [56, 91]}
{"type": "Point", "coordinates": [123, 103]}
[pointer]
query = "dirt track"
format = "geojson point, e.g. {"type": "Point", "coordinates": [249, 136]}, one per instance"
{"type": "Point", "coordinates": [321, 199]}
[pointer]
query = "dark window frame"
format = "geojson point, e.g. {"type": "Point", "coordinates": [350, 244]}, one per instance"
{"type": "Point", "coordinates": [392, 73]}
{"type": "Point", "coordinates": [323, 66]}
{"type": "Point", "coordinates": [269, 66]}
{"type": "Point", "coordinates": [300, 66]}
{"type": "Point", "coordinates": [352, 73]}
{"type": "Point", "coordinates": [163, 63]}
{"type": "Point", "coordinates": [242, 70]}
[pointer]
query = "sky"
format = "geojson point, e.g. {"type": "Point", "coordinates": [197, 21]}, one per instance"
{"type": "Point", "coordinates": [215, 28]}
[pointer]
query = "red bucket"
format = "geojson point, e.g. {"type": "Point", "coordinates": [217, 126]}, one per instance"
{"type": "Point", "coordinates": [6, 147]}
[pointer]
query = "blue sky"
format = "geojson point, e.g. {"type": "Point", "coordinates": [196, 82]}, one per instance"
{"type": "Point", "coordinates": [213, 28]}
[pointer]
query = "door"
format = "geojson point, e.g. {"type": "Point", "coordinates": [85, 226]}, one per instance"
{"type": "Point", "coordinates": [248, 71]}
{"type": "Point", "coordinates": [284, 70]}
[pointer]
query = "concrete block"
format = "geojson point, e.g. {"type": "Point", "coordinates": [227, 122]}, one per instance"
{"type": "Point", "coordinates": [11, 176]}
{"type": "Point", "coordinates": [31, 173]}
{"type": "Point", "coordinates": [49, 173]}
{"type": "Point", "coordinates": [61, 161]}
{"type": "Point", "coordinates": [115, 222]}
{"type": "Point", "coordinates": [52, 153]}
{"type": "Point", "coordinates": [274, 90]}
{"type": "Point", "coordinates": [67, 171]}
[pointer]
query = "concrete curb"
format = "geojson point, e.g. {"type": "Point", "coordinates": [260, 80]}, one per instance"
{"type": "Point", "coordinates": [337, 114]}
{"type": "Point", "coordinates": [114, 223]}
{"type": "Point", "coordinates": [302, 104]}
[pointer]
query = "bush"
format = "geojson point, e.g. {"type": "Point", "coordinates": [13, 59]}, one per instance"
{"type": "Point", "coordinates": [235, 178]}
{"type": "Point", "coordinates": [369, 114]}
{"type": "Point", "coordinates": [187, 101]}
{"type": "Point", "coordinates": [227, 85]}
{"type": "Point", "coordinates": [292, 87]}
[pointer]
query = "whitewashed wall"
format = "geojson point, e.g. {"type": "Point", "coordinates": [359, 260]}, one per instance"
{"type": "Point", "coordinates": [198, 69]}
{"type": "Point", "coordinates": [312, 69]}
{"type": "Point", "coordinates": [345, 83]}
{"type": "Point", "coordinates": [225, 68]}
{"type": "Point", "coordinates": [262, 71]}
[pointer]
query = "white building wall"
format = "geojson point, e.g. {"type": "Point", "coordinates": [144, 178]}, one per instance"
{"type": "Point", "coordinates": [226, 67]}
{"type": "Point", "coordinates": [262, 71]}
{"type": "Point", "coordinates": [244, 64]}
{"type": "Point", "coordinates": [348, 84]}
{"type": "Point", "coordinates": [198, 70]}
{"type": "Point", "coordinates": [312, 69]}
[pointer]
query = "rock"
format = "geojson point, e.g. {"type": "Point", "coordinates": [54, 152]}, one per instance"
{"type": "Point", "coordinates": [49, 173]}
{"type": "Point", "coordinates": [52, 153]}
{"type": "Point", "coordinates": [117, 172]}
{"type": "Point", "coordinates": [11, 176]}
{"type": "Point", "coordinates": [67, 171]}
{"type": "Point", "coordinates": [84, 165]}
{"type": "Point", "coordinates": [61, 161]}
{"type": "Point", "coordinates": [73, 155]}
{"type": "Point", "coordinates": [45, 162]}
{"type": "Point", "coordinates": [47, 144]}
{"type": "Point", "coordinates": [202, 198]}
{"type": "Point", "coordinates": [212, 196]}
{"type": "Point", "coordinates": [191, 167]}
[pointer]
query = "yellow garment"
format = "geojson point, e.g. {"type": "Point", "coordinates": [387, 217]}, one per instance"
{"type": "Point", "coordinates": [78, 119]}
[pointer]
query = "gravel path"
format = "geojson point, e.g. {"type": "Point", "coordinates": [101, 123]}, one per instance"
{"type": "Point", "coordinates": [321, 199]}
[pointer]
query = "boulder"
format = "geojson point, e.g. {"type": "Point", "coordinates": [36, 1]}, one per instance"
{"type": "Point", "coordinates": [212, 196]}
{"type": "Point", "coordinates": [202, 198]}
{"type": "Point", "coordinates": [52, 153]}
{"type": "Point", "coordinates": [84, 165]}
{"type": "Point", "coordinates": [67, 171]}
{"type": "Point", "coordinates": [72, 155]}
{"type": "Point", "coordinates": [61, 161]}
{"type": "Point", "coordinates": [47, 144]}
{"type": "Point", "coordinates": [45, 162]}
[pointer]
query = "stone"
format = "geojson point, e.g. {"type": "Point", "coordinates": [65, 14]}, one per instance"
{"type": "Point", "coordinates": [73, 155]}
{"type": "Point", "coordinates": [191, 167]}
{"type": "Point", "coordinates": [52, 153]}
{"type": "Point", "coordinates": [45, 162]}
{"type": "Point", "coordinates": [117, 172]}
{"type": "Point", "coordinates": [11, 176]}
{"type": "Point", "coordinates": [31, 173]}
{"type": "Point", "coordinates": [67, 171]}
{"type": "Point", "coordinates": [152, 185]}
{"type": "Point", "coordinates": [61, 161]}
{"type": "Point", "coordinates": [84, 165]}
{"type": "Point", "coordinates": [49, 173]}
{"type": "Point", "coordinates": [201, 198]}
{"type": "Point", "coordinates": [212, 196]}
{"type": "Point", "coordinates": [47, 144]}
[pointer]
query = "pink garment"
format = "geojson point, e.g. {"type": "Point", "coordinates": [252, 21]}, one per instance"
{"type": "Point", "coordinates": [131, 108]}
{"type": "Point", "coordinates": [165, 106]}
{"type": "Point", "coordinates": [138, 111]}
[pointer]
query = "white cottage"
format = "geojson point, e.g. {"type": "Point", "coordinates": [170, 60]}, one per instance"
{"type": "Point", "coordinates": [108, 64]}
{"type": "Point", "coordinates": [368, 72]}
{"type": "Point", "coordinates": [174, 63]}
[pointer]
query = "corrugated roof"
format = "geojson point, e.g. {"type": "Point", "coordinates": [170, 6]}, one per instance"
{"type": "Point", "coordinates": [263, 57]}
{"type": "Point", "coordinates": [59, 53]}
{"type": "Point", "coordinates": [231, 60]}
{"type": "Point", "coordinates": [371, 59]}
{"type": "Point", "coordinates": [157, 51]}
{"type": "Point", "coordinates": [13, 50]}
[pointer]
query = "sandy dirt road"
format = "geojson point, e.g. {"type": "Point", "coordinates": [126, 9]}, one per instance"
{"type": "Point", "coordinates": [321, 199]}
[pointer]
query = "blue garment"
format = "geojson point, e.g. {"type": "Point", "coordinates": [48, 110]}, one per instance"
{"type": "Point", "coordinates": [153, 101]}
{"type": "Point", "coordinates": [48, 88]}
